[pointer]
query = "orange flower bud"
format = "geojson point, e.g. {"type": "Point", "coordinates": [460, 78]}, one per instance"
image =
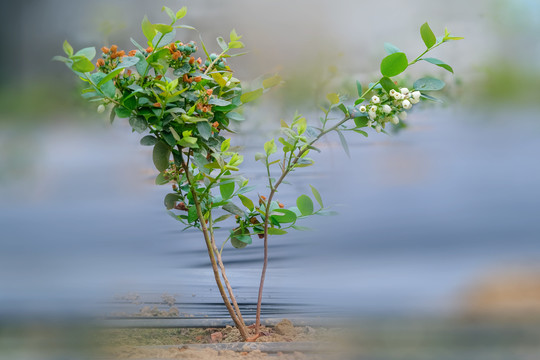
{"type": "Point", "coordinates": [185, 78]}
{"type": "Point", "coordinates": [100, 62]}
{"type": "Point", "coordinates": [199, 61]}
{"type": "Point", "coordinates": [205, 109]}
{"type": "Point", "coordinates": [114, 55]}
{"type": "Point", "coordinates": [114, 48]}
{"type": "Point", "coordinates": [105, 50]}
{"type": "Point", "coordinates": [191, 60]}
{"type": "Point", "coordinates": [199, 106]}
{"type": "Point", "coordinates": [176, 55]}
{"type": "Point", "coordinates": [215, 124]}
{"type": "Point", "coordinates": [128, 73]}
{"type": "Point", "coordinates": [121, 53]}
{"type": "Point", "coordinates": [158, 105]}
{"type": "Point", "coordinates": [263, 197]}
{"type": "Point", "coordinates": [132, 53]}
{"type": "Point", "coordinates": [197, 78]}
{"type": "Point", "coordinates": [209, 91]}
{"type": "Point", "coordinates": [172, 47]}
{"type": "Point", "coordinates": [158, 77]}
{"type": "Point", "coordinates": [149, 49]}
{"type": "Point", "coordinates": [281, 206]}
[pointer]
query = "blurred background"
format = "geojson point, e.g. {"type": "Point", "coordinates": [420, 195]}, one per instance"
{"type": "Point", "coordinates": [440, 221]}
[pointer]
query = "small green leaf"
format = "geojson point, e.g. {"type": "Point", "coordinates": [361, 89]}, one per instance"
{"type": "Point", "coordinates": [251, 96]}
{"type": "Point", "coordinates": [82, 65]}
{"type": "Point", "coordinates": [222, 218]}
{"type": "Point", "coordinates": [428, 84]}
{"type": "Point", "coordinates": [235, 116]}
{"type": "Point", "coordinates": [233, 209]}
{"type": "Point", "coordinates": [333, 98]}
{"type": "Point", "coordinates": [218, 78]}
{"type": "Point", "coordinates": [122, 112]}
{"type": "Point", "coordinates": [222, 44]}
{"type": "Point", "coordinates": [89, 53]}
{"type": "Point", "coordinates": [169, 12]}
{"type": "Point", "coordinates": [181, 13]}
{"type": "Point", "coordinates": [276, 231]}
{"type": "Point", "coordinates": [225, 145]}
{"type": "Point", "coordinates": [427, 35]}
{"type": "Point", "coordinates": [390, 48]}
{"type": "Point", "coordinates": [240, 241]}
{"type": "Point", "coordinates": [160, 156]}
{"type": "Point", "coordinates": [394, 64]}
{"type": "Point", "coordinates": [148, 29]}
{"type": "Point", "coordinates": [246, 202]}
{"type": "Point", "coordinates": [270, 147]}
{"type": "Point", "coordinates": [259, 156]}
{"type": "Point", "coordinates": [388, 84]}
{"type": "Point", "coordinates": [170, 200]}
{"type": "Point", "coordinates": [138, 123]}
{"type": "Point", "coordinates": [287, 216]}
{"type": "Point", "coordinates": [205, 130]}
{"type": "Point", "coordinates": [344, 143]}
{"type": "Point", "coordinates": [226, 190]}
{"type": "Point", "coordinates": [305, 205]}
{"type": "Point", "coordinates": [160, 179]}
{"type": "Point", "coordinates": [236, 45]}
{"type": "Point", "coordinates": [192, 214]}
{"type": "Point", "coordinates": [359, 88]}
{"type": "Point", "coordinates": [271, 81]}
{"type": "Point", "coordinates": [316, 195]}
{"type": "Point", "coordinates": [234, 36]}
{"type": "Point", "coordinates": [68, 49]}
{"type": "Point", "coordinates": [163, 28]}
{"type": "Point", "coordinates": [439, 63]}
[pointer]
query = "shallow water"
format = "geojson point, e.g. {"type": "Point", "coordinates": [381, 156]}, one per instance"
{"type": "Point", "coordinates": [422, 215]}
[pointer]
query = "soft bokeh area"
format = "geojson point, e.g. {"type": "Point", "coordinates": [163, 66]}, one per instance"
{"type": "Point", "coordinates": [438, 223]}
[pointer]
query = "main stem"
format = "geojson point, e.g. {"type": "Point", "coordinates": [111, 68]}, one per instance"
{"type": "Point", "coordinates": [237, 319]}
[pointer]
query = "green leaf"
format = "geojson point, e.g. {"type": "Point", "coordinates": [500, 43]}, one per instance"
{"type": "Point", "coordinates": [305, 205]}
{"type": "Point", "coordinates": [82, 65]}
{"type": "Point", "coordinates": [222, 44]}
{"type": "Point", "coordinates": [113, 114]}
{"type": "Point", "coordinates": [160, 179]}
{"type": "Point", "coordinates": [160, 156]}
{"type": "Point", "coordinates": [226, 190]}
{"type": "Point", "coordinates": [169, 12]}
{"type": "Point", "coordinates": [161, 41]}
{"type": "Point", "coordinates": [251, 96]}
{"type": "Point", "coordinates": [287, 217]}
{"type": "Point", "coordinates": [439, 63]}
{"type": "Point", "coordinates": [68, 49]}
{"type": "Point", "coordinates": [431, 98]}
{"type": "Point", "coordinates": [236, 45]}
{"type": "Point", "coordinates": [218, 102]}
{"type": "Point", "coordinates": [246, 202]}
{"type": "Point", "coordinates": [316, 195]}
{"type": "Point", "coordinates": [108, 77]}
{"type": "Point", "coordinates": [138, 123]}
{"type": "Point", "coordinates": [276, 231]}
{"type": "Point", "coordinates": [327, 213]}
{"type": "Point", "coordinates": [390, 48]}
{"type": "Point", "coordinates": [271, 81]}
{"type": "Point", "coordinates": [181, 13]}
{"type": "Point", "coordinates": [259, 156]}
{"type": "Point", "coordinates": [218, 78]}
{"type": "Point", "coordinates": [301, 228]}
{"type": "Point", "coordinates": [222, 218]}
{"type": "Point", "coordinates": [427, 35]}
{"type": "Point", "coordinates": [89, 53]}
{"type": "Point", "coordinates": [137, 45]}
{"type": "Point", "coordinates": [344, 143]}
{"type": "Point", "coordinates": [388, 84]}
{"type": "Point", "coordinates": [235, 116]}
{"type": "Point", "coordinates": [205, 130]}
{"type": "Point", "coordinates": [233, 209]}
{"type": "Point", "coordinates": [192, 214]}
{"type": "Point", "coordinates": [65, 60]}
{"type": "Point", "coordinates": [148, 29]}
{"type": "Point", "coordinates": [170, 200]}
{"type": "Point", "coordinates": [394, 64]}
{"type": "Point", "coordinates": [333, 98]}
{"type": "Point", "coordinates": [240, 241]}
{"type": "Point", "coordinates": [234, 36]}
{"type": "Point", "coordinates": [122, 112]}
{"type": "Point", "coordinates": [359, 88]}
{"type": "Point", "coordinates": [225, 145]}
{"type": "Point", "coordinates": [163, 28]}
{"type": "Point", "coordinates": [428, 84]}
{"type": "Point", "coordinates": [270, 147]}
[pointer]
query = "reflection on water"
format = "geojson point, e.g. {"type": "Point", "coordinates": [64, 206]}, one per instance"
{"type": "Point", "coordinates": [421, 215]}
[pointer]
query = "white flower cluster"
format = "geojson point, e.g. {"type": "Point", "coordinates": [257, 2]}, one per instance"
{"type": "Point", "coordinates": [389, 107]}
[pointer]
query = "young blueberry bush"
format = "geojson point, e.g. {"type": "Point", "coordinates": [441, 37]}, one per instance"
{"type": "Point", "coordinates": [184, 102]}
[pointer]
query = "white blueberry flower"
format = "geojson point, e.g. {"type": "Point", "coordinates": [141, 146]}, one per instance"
{"type": "Point", "coordinates": [402, 115]}
{"type": "Point", "coordinates": [414, 101]}
{"type": "Point", "coordinates": [101, 108]}
{"type": "Point", "coordinates": [416, 95]}
{"type": "Point", "coordinates": [372, 114]}
{"type": "Point", "coordinates": [378, 128]}
{"type": "Point", "coordinates": [398, 96]}
{"type": "Point", "coordinates": [386, 109]}
{"type": "Point", "coordinates": [404, 91]}
{"type": "Point", "coordinates": [395, 120]}
{"type": "Point", "coordinates": [392, 92]}
{"type": "Point", "coordinates": [369, 123]}
{"type": "Point", "coordinates": [375, 99]}
{"type": "Point", "coordinates": [373, 108]}
{"type": "Point", "coordinates": [362, 109]}
{"type": "Point", "coordinates": [406, 104]}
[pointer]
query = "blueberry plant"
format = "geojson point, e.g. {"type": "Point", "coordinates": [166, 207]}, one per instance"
{"type": "Point", "coordinates": [184, 101]}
